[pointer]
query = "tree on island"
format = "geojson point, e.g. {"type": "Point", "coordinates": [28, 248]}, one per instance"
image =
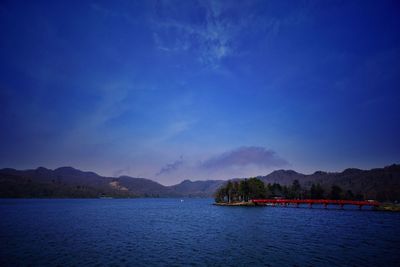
{"type": "Point", "coordinates": [244, 190]}
{"type": "Point", "coordinates": [254, 188]}
{"type": "Point", "coordinates": [336, 192]}
{"type": "Point", "coordinates": [241, 191]}
{"type": "Point", "coordinates": [296, 189]}
{"type": "Point", "coordinates": [316, 191]}
{"type": "Point", "coordinates": [219, 196]}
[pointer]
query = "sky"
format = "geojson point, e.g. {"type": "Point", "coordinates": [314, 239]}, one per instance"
{"type": "Point", "coordinates": [174, 90]}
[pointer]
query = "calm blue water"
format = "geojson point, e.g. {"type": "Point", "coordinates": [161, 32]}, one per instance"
{"type": "Point", "coordinates": [160, 232]}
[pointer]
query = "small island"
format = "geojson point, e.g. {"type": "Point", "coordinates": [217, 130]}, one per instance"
{"type": "Point", "coordinates": [253, 192]}
{"type": "Point", "coordinates": [239, 192]}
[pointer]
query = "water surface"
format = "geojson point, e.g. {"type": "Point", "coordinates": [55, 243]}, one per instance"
{"type": "Point", "coordinates": [160, 232]}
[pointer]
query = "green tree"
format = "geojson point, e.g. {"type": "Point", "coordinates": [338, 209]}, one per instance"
{"type": "Point", "coordinates": [228, 189]}
{"type": "Point", "coordinates": [316, 191]}
{"type": "Point", "coordinates": [275, 189]}
{"type": "Point", "coordinates": [296, 189]}
{"type": "Point", "coordinates": [285, 191]}
{"type": "Point", "coordinates": [257, 188]}
{"type": "Point", "coordinates": [244, 190]}
{"type": "Point", "coordinates": [349, 195]}
{"type": "Point", "coordinates": [235, 191]}
{"type": "Point", "coordinates": [336, 192]}
{"type": "Point", "coordinates": [220, 195]}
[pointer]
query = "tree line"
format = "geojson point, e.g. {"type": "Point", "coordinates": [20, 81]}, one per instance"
{"type": "Point", "coordinates": [254, 188]}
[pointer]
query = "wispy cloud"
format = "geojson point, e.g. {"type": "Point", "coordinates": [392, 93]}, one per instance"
{"type": "Point", "coordinates": [243, 156]}
{"type": "Point", "coordinates": [210, 33]}
{"type": "Point", "coordinates": [171, 167]}
{"type": "Point", "coordinates": [209, 30]}
{"type": "Point", "coordinates": [240, 162]}
{"type": "Point", "coordinates": [123, 171]}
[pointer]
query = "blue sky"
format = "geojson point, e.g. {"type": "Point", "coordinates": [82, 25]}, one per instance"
{"type": "Point", "coordinates": [172, 90]}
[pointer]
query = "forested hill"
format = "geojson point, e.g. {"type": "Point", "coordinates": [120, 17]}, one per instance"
{"type": "Point", "coordinates": [380, 183]}
{"type": "Point", "coordinates": [72, 183]}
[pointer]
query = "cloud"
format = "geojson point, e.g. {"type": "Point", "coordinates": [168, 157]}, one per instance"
{"type": "Point", "coordinates": [211, 41]}
{"type": "Point", "coordinates": [240, 162]}
{"type": "Point", "coordinates": [209, 29]}
{"type": "Point", "coordinates": [244, 156]}
{"type": "Point", "coordinates": [171, 167]}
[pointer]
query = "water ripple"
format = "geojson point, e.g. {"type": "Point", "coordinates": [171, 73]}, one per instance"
{"type": "Point", "coordinates": [168, 232]}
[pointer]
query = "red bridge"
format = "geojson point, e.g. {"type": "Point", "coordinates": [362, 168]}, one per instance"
{"type": "Point", "coordinates": [310, 202]}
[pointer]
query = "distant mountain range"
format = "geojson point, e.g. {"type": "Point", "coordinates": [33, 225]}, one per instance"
{"type": "Point", "coordinates": [380, 183]}
{"type": "Point", "coordinates": [67, 182]}
{"type": "Point", "coordinates": [70, 182]}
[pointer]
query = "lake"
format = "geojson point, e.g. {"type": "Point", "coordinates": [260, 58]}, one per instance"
{"type": "Point", "coordinates": [165, 232]}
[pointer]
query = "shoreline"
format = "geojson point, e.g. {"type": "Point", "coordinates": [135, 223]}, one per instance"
{"type": "Point", "coordinates": [235, 204]}
{"type": "Point", "coordinates": [388, 207]}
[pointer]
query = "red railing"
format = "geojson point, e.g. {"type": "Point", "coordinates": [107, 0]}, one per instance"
{"type": "Point", "coordinates": [310, 202]}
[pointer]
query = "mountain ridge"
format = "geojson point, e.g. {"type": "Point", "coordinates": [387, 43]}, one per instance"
{"type": "Point", "coordinates": [70, 182]}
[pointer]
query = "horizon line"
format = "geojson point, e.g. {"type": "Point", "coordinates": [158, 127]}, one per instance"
{"type": "Point", "coordinates": [198, 180]}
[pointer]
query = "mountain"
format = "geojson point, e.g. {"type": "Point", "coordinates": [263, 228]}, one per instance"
{"type": "Point", "coordinates": [283, 177]}
{"type": "Point", "coordinates": [70, 182]}
{"type": "Point", "coordinates": [197, 188]}
{"type": "Point", "coordinates": [379, 183]}
{"type": "Point", "coordinates": [144, 187]}
{"type": "Point", "coordinates": [61, 182]}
